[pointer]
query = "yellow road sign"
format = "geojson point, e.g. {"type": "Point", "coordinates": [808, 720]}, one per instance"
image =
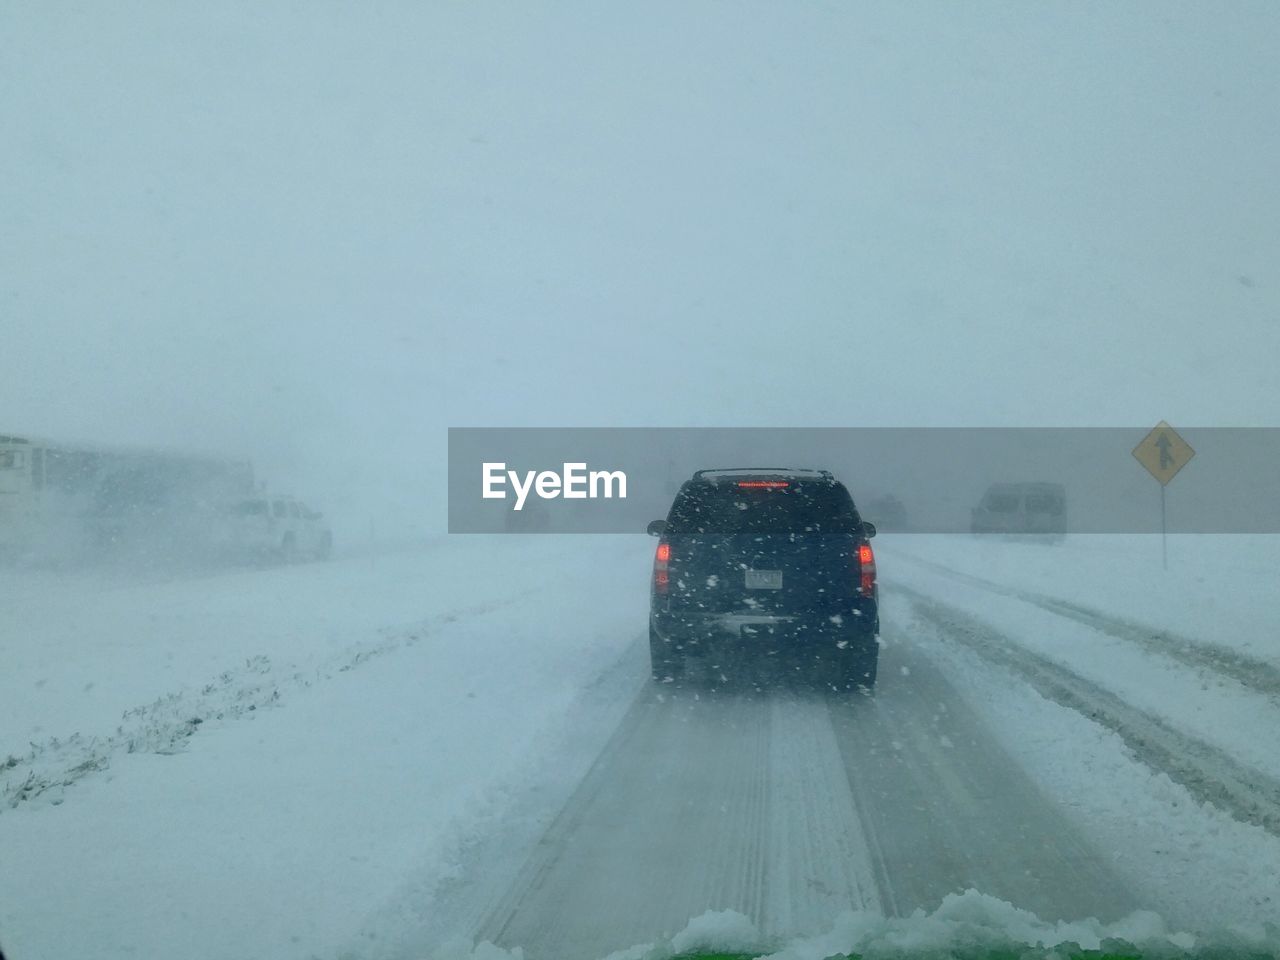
{"type": "Point", "coordinates": [1163, 452]}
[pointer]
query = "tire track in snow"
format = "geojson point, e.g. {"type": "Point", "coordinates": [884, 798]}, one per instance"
{"type": "Point", "coordinates": [1208, 773]}
{"type": "Point", "coordinates": [697, 803]}
{"type": "Point", "coordinates": [945, 809]}
{"type": "Point", "coordinates": [435, 906]}
{"type": "Point", "coordinates": [790, 806]}
{"type": "Point", "coordinates": [1255, 674]}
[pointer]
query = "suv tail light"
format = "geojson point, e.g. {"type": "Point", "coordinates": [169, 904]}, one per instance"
{"type": "Point", "coordinates": [867, 569]}
{"type": "Point", "coordinates": [661, 576]}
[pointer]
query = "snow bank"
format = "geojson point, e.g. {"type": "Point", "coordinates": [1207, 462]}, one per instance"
{"type": "Point", "coordinates": [969, 924]}
{"type": "Point", "coordinates": [360, 721]}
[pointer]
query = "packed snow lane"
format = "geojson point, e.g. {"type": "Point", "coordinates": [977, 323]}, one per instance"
{"type": "Point", "coordinates": [1208, 773]}
{"type": "Point", "coordinates": [791, 807]}
{"type": "Point", "coordinates": [1215, 597]}
{"type": "Point", "coordinates": [731, 803]}
{"type": "Point", "coordinates": [1252, 672]}
{"type": "Point", "coordinates": [1194, 861]}
{"type": "Point", "coordinates": [1195, 703]}
{"type": "Point", "coordinates": [948, 810]}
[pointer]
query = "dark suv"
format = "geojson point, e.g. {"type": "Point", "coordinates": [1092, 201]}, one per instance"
{"type": "Point", "coordinates": [765, 566]}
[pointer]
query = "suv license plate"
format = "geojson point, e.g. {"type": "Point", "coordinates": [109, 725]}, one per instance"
{"type": "Point", "coordinates": [764, 579]}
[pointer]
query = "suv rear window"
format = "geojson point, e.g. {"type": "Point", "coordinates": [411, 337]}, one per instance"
{"type": "Point", "coordinates": [725, 507]}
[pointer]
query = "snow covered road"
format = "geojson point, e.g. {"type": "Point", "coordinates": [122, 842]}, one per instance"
{"type": "Point", "coordinates": [460, 743]}
{"type": "Point", "coordinates": [790, 807]}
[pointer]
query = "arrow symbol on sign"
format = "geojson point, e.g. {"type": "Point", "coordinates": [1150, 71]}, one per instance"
{"type": "Point", "coordinates": [1166, 458]}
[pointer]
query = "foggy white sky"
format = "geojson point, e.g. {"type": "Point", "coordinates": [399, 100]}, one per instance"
{"type": "Point", "coordinates": [319, 235]}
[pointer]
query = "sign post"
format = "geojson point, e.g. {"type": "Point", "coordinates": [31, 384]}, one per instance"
{"type": "Point", "coordinates": [1164, 532]}
{"type": "Point", "coordinates": [1163, 453]}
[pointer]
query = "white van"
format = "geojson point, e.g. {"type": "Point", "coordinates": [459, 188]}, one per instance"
{"type": "Point", "coordinates": [1022, 508]}
{"type": "Point", "coordinates": [279, 527]}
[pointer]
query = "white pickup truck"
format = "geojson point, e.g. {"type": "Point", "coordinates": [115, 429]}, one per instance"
{"type": "Point", "coordinates": [278, 527]}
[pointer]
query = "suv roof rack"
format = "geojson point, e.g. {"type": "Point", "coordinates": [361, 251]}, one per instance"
{"type": "Point", "coordinates": [752, 471]}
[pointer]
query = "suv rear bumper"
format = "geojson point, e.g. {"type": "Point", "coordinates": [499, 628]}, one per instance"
{"type": "Point", "coordinates": [698, 634]}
